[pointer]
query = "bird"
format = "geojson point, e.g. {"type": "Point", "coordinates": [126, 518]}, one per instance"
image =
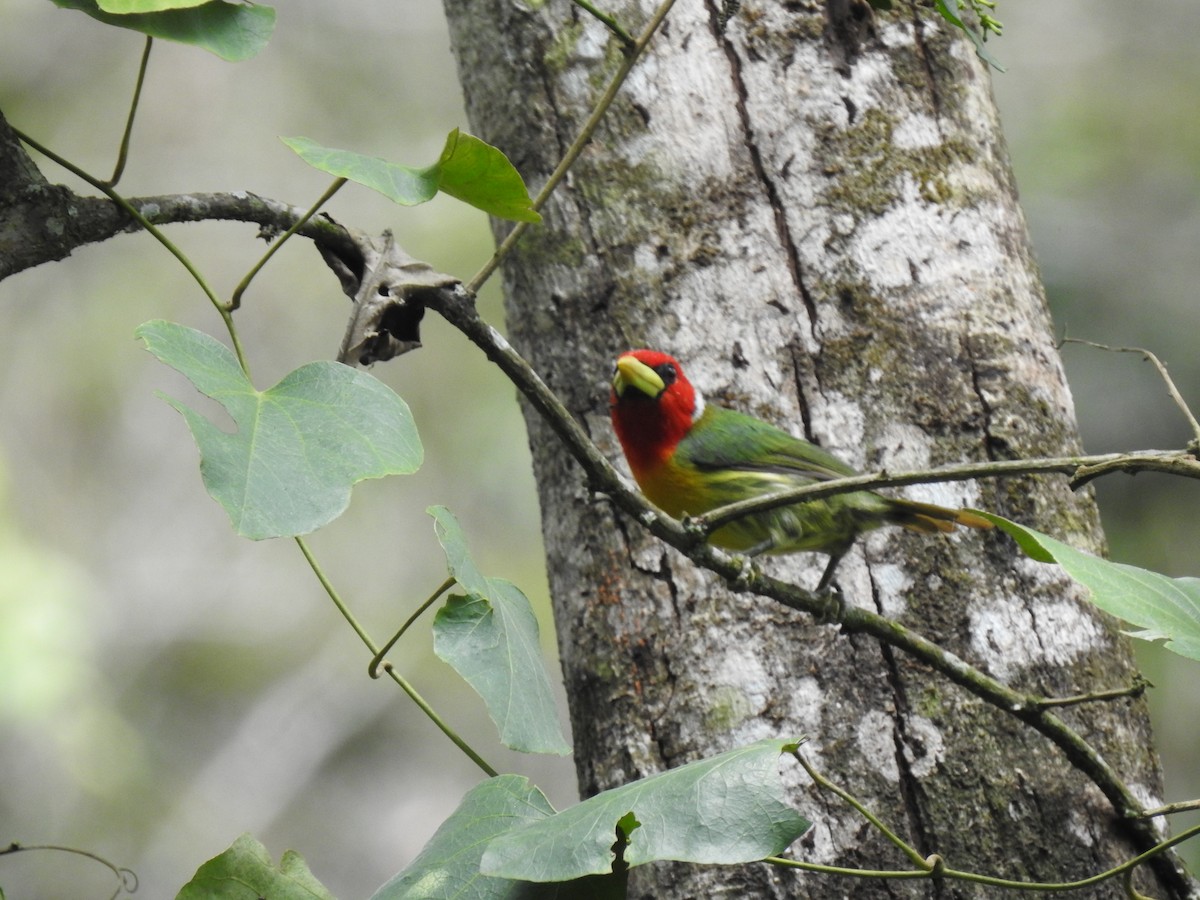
{"type": "Point", "coordinates": [690, 457]}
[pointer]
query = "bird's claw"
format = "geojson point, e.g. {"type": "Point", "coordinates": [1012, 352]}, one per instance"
{"type": "Point", "coordinates": [832, 605]}
{"type": "Point", "coordinates": [746, 570]}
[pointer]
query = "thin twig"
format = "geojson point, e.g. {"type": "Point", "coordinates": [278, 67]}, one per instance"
{"type": "Point", "coordinates": [1162, 371]}
{"type": "Point", "coordinates": [1170, 809]}
{"type": "Point", "coordinates": [1137, 689]}
{"type": "Point", "coordinates": [1177, 462]}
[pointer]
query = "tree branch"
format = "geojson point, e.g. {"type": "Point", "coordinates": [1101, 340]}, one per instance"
{"type": "Point", "coordinates": [42, 222]}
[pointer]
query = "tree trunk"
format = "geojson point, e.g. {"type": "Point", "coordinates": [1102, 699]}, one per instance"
{"type": "Point", "coordinates": [815, 212]}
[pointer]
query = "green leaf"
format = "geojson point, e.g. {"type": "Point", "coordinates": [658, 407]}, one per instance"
{"type": "Point", "coordinates": [299, 446]}
{"type": "Point", "coordinates": [468, 170]}
{"type": "Point", "coordinates": [232, 31]}
{"type": "Point", "coordinates": [490, 637]}
{"type": "Point", "coordinates": [448, 866]}
{"type": "Point", "coordinates": [477, 173]}
{"type": "Point", "coordinates": [721, 810]}
{"type": "Point", "coordinates": [1164, 608]}
{"type": "Point", "coordinates": [125, 7]}
{"type": "Point", "coordinates": [980, 47]}
{"type": "Point", "coordinates": [405, 185]}
{"type": "Point", "coordinates": [245, 872]}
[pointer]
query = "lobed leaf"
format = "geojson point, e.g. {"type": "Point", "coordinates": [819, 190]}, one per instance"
{"type": "Point", "coordinates": [232, 31]}
{"type": "Point", "coordinates": [490, 637]}
{"type": "Point", "coordinates": [1163, 608]}
{"type": "Point", "coordinates": [299, 447]}
{"type": "Point", "coordinates": [245, 872]}
{"type": "Point", "coordinates": [721, 810]}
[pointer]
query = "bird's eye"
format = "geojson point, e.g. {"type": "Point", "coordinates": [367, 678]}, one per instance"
{"type": "Point", "coordinates": [667, 373]}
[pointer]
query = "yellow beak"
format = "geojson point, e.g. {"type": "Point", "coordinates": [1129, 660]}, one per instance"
{"type": "Point", "coordinates": [633, 373]}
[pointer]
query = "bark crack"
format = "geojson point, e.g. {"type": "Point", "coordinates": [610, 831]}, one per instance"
{"type": "Point", "coordinates": [919, 828]}
{"type": "Point", "coordinates": [989, 441]}
{"type": "Point", "coordinates": [775, 202]}
{"type": "Point", "coordinates": [935, 98]}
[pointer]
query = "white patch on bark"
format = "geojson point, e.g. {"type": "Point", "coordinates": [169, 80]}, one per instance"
{"type": "Point", "coordinates": [923, 747]}
{"type": "Point", "coordinates": [876, 742]}
{"type": "Point", "coordinates": [891, 582]}
{"type": "Point", "coordinates": [1003, 635]}
{"type": "Point", "coordinates": [916, 131]}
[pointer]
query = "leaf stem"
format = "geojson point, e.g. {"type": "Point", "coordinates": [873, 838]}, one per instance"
{"type": "Point", "coordinates": [609, 21]}
{"type": "Point", "coordinates": [576, 148]}
{"type": "Point", "coordinates": [236, 300]}
{"type": "Point", "coordinates": [405, 686]}
{"type": "Point", "coordinates": [123, 150]}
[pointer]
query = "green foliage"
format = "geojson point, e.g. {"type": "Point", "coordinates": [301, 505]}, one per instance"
{"type": "Point", "coordinates": [490, 637]}
{"type": "Point", "coordinates": [987, 23]}
{"type": "Point", "coordinates": [245, 872]}
{"type": "Point", "coordinates": [299, 446]}
{"type": "Point", "coordinates": [232, 31]}
{"type": "Point", "coordinates": [1164, 608]}
{"type": "Point", "coordinates": [468, 169]}
{"type": "Point", "coordinates": [719, 810]}
{"type": "Point", "coordinates": [448, 866]}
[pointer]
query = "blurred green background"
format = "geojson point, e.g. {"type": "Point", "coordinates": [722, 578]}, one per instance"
{"type": "Point", "coordinates": [165, 686]}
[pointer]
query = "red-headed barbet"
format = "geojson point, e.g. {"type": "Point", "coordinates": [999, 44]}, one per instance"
{"type": "Point", "coordinates": [690, 457]}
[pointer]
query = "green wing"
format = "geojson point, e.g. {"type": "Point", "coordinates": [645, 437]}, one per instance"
{"type": "Point", "coordinates": [727, 440]}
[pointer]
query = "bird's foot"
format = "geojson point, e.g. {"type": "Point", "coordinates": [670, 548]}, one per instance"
{"type": "Point", "coordinates": [746, 570]}
{"type": "Point", "coordinates": [832, 605]}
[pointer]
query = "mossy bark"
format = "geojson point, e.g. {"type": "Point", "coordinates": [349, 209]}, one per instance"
{"type": "Point", "coordinates": [814, 211]}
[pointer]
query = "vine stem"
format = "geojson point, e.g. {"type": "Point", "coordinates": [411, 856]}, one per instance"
{"type": "Point", "coordinates": [400, 680]}
{"type": "Point", "coordinates": [137, 216]}
{"type": "Point", "coordinates": [236, 299]}
{"type": "Point", "coordinates": [633, 54]}
{"type": "Point", "coordinates": [942, 871]}
{"type": "Point", "coordinates": [123, 149]}
{"type": "Point", "coordinates": [935, 865]}
{"type": "Point", "coordinates": [127, 879]}
{"type": "Point", "coordinates": [846, 797]}
{"type": "Point", "coordinates": [378, 659]}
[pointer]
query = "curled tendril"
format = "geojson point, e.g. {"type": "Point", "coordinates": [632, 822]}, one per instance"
{"type": "Point", "coordinates": [127, 880]}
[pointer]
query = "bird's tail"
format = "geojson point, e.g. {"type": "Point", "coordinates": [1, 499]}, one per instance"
{"type": "Point", "coordinates": [930, 518]}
